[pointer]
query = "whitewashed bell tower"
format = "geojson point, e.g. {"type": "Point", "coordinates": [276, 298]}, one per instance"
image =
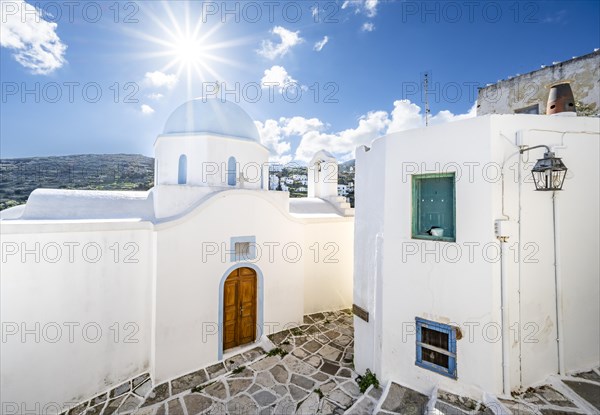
{"type": "Point", "coordinates": [207, 145]}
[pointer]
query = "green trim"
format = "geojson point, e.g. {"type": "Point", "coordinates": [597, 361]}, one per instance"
{"type": "Point", "coordinates": [433, 175]}
{"type": "Point", "coordinates": [416, 179]}
{"type": "Point", "coordinates": [434, 238]}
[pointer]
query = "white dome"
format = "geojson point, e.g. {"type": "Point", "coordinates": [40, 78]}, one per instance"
{"type": "Point", "coordinates": [214, 116]}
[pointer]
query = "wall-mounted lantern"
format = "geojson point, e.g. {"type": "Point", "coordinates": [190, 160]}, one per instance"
{"type": "Point", "coordinates": [549, 172]}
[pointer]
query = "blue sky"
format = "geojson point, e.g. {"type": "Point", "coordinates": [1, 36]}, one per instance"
{"type": "Point", "coordinates": [329, 74]}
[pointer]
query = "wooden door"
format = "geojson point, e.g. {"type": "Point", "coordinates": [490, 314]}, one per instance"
{"type": "Point", "coordinates": [239, 308]}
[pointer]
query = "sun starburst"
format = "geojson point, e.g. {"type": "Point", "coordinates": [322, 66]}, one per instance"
{"type": "Point", "coordinates": [194, 51]}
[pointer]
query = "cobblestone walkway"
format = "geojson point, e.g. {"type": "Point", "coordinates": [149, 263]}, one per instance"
{"type": "Point", "coordinates": [310, 371]}
{"type": "Point", "coordinates": [566, 395]}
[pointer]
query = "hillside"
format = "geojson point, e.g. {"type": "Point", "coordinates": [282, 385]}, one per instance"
{"type": "Point", "coordinates": [19, 177]}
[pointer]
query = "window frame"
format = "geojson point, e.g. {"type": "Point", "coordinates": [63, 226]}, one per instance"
{"type": "Point", "coordinates": [234, 257]}
{"type": "Point", "coordinates": [416, 178]}
{"type": "Point", "coordinates": [451, 371]}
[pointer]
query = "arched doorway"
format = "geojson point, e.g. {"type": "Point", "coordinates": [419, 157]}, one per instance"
{"type": "Point", "coordinates": [239, 308]}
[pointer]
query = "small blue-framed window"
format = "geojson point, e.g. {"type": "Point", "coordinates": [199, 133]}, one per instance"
{"type": "Point", "coordinates": [242, 248]}
{"type": "Point", "coordinates": [436, 347]}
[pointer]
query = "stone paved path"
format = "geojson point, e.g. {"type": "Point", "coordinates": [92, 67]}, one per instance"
{"type": "Point", "coordinates": [567, 395]}
{"type": "Point", "coordinates": [310, 371]}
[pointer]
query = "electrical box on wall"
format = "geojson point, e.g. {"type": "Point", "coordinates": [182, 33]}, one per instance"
{"type": "Point", "coordinates": [504, 228]}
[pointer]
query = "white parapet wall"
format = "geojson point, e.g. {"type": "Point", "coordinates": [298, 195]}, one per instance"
{"type": "Point", "coordinates": [76, 310]}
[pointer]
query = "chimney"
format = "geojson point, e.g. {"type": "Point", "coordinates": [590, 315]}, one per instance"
{"type": "Point", "coordinates": [560, 99]}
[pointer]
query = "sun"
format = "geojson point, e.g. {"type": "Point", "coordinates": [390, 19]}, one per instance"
{"type": "Point", "coordinates": [188, 51]}
{"type": "Point", "coordinates": [195, 52]}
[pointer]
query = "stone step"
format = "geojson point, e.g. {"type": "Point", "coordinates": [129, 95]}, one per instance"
{"type": "Point", "coordinates": [450, 404]}
{"type": "Point", "coordinates": [365, 405]}
{"type": "Point", "coordinates": [398, 399]}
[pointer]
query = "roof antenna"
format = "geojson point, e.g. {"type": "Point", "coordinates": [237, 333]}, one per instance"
{"type": "Point", "coordinates": [426, 89]}
{"type": "Point", "coordinates": [218, 89]}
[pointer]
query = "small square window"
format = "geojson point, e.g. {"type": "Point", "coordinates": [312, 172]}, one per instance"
{"type": "Point", "coordinates": [242, 248]}
{"type": "Point", "coordinates": [433, 215]}
{"type": "Point", "coordinates": [436, 347]}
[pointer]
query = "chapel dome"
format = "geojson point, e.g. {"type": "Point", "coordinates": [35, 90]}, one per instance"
{"type": "Point", "coordinates": [213, 116]}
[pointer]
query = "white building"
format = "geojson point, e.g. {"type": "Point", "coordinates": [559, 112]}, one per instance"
{"type": "Point", "coordinates": [100, 286]}
{"type": "Point", "coordinates": [477, 303]}
{"type": "Point", "coordinates": [274, 181]}
{"type": "Point", "coordinates": [528, 93]}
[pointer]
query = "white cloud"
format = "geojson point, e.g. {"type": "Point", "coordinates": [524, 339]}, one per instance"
{"type": "Point", "coordinates": [300, 125]}
{"type": "Point", "coordinates": [371, 7]}
{"type": "Point", "coordinates": [34, 41]}
{"type": "Point", "coordinates": [367, 27]}
{"type": "Point", "coordinates": [271, 137]}
{"type": "Point", "coordinates": [155, 96]}
{"type": "Point", "coordinates": [147, 109]}
{"type": "Point", "coordinates": [278, 77]}
{"type": "Point", "coordinates": [405, 116]}
{"type": "Point", "coordinates": [320, 44]}
{"type": "Point", "coordinates": [160, 79]}
{"type": "Point", "coordinates": [446, 116]}
{"type": "Point", "coordinates": [288, 39]}
{"type": "Point", "coordinates": [277, 134]}
{"type": "Point", "coordinates": [343, 143]}
{"type": "Point", "coordinates": [368, 7]}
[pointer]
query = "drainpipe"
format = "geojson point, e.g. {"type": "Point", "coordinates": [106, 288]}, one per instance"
{"type": "Point", "coordinates": [504, 321]}
{"type": "Point", "coordinates": [520, 180]}
{"type": "Point", "coordinates": [558, 287]}
{"type": "Point", "coordinates": [502, 230]}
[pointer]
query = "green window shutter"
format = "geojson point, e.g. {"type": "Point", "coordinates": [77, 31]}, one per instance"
{"type": "Point", "coordinates": [434, 207]}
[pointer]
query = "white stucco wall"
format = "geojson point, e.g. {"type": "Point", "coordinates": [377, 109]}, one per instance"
{"type": "Point", "coordinates": [207, 157]}
{"type": "Point", "coordinates": [173, 199]}
{"type": "Point", "coordinates": [368, 255]}
{"type": "Point", "coordinates": [576, 140]}
{"type": "Point", "coordinates": [432, 283]}
{"type": "Point", "coordinates": [169, 298]}
{"type": "Point", "coordinates": [193, 258]}
{"type": "Point", "coordinates": [75, 310]}
{"type": "Point", "coordinates": [328, 262]}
